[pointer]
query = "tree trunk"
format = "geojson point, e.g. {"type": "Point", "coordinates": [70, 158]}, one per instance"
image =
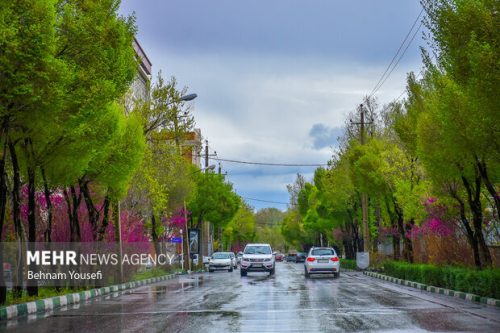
{"type": "Point", "coordinates": [73, 204]}
{"type": "Point", "coordinates": [474, 200]}
{"type": "Point", "coordinates": [396, 240]}
{"type": "Point", "coordinates": [468, 230]}
{"type": "Point", "coordinates": [489, 185]}
{"type": "Point", "coordinates": [69, 211]}
{"type": "Point", "coordinates": [105, 219]}
{"type": "Point", "coordinates": [403, 232]}
{"type": "Point", "coordinates": [378, 219]}
{"type": "Point", "coordinates": [46, 191]}
{"type": "Point", "coordinates": [154, 235]}
{"type": "Point", "coordinates": [32, 286]}
{"type": "Point", "coordinates": [396, 247]}
{"type": "Point", "coordinates": [16, 217]}
{"type": "Point", "coordinates": [3, 202]}
{"type": "Point", "coordinates": [91, 209]}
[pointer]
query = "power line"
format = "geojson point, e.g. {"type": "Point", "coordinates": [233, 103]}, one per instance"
{"type": "Point", "coordinates": [382, 79]}
{"type": "Point", "coordinates": [275, 202]}
{"type": "Point", "coordinates": [416, 78]}
{"type": "Point", "coordinates": [270, 164]}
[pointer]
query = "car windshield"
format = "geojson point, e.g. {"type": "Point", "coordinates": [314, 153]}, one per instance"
{"type": "Point", "coordinates": [258, 250]}
{"type": "Point", "coordinates": [220, 256]}
{"type": "Point", "coordinates": [322, 252]}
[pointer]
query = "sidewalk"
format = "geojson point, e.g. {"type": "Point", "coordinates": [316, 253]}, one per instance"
{"type": "Point", "coordinates": [48, 304]}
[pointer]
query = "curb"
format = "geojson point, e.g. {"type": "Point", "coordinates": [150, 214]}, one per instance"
{"type": "Point", "coordinates": [437, 290]}
{"type": "Point", "coordinates": [48, 304]}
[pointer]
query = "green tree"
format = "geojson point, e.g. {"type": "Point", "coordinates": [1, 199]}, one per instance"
{"type": "Point", "coordinates": [241, 229]}
{"type": "Point", "coordinates": [214, 200]}
{"type": "Point", "coordinates": [457, 125]}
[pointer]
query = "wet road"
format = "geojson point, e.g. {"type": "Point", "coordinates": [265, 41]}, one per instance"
{"type": "Point", "coordinates": [286, 302]}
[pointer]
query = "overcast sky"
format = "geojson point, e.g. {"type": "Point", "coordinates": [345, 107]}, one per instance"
{"type": "Point", "coordinates": [276, 79]}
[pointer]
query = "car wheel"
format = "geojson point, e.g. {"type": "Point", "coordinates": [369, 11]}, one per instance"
{"type": "Point", "coordinates": [210, 270]}
{"type": "Point", "coordinates": [336, 275]}
{"type": "Point", "coordinates": [230, 270]}
{"type": "Point", "coordinates": [271, 272]}
{"type": "Point", "coordinates": [306, 274]}
{"type": "Point", "coordinates": [243, 273]}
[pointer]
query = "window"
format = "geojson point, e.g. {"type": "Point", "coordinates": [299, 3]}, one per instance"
{"type": "Point", "coordinates": [220, 256]}
{"type": "Point", "coordinates": [257, 250]}
{"type": "Point", "coordinates": [323, 252]}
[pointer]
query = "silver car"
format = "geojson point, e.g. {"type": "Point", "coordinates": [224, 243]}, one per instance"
{"type": "Point", "coordinates": [220, 260]}
{"type": "Point", "coordinates": [322, 260]}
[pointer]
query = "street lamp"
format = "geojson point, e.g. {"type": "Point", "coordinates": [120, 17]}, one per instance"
{"type": "Point", "coordinates": [188, 97]}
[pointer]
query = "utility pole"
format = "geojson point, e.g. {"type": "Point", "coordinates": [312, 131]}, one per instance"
{"type": "Point", "coordinates": [206, 156]}
{"type": "Point", "coordinates": [205, 225]}
{"type": "Point", "coordinates": [364, 196]}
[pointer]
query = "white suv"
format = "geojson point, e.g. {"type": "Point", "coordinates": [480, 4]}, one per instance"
{"type": "Point", "coordinates": [257, 258]}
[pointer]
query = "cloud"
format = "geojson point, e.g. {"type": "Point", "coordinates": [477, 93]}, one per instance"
{"type": "Point", "coordinates": [272, 90]}
{"type": "Point", "coordinates": [324, 136]}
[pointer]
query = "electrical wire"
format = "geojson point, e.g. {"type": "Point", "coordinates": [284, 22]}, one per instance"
{"type": "Point", "coordinates": [275, 202]}
{"type": "Point", "coordinates": [269, 164]}
{"type": "Point", "coordinates": [384, 77]}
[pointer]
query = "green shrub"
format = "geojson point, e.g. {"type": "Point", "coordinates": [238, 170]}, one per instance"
{"type": "Point", "coordinates": [483, 283]}
{"type": "Point", "coordinates": [432, 275]}
{"type": "Point", "coordinates": [348, 263]}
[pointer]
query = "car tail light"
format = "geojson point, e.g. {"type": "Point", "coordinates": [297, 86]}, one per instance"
{"type": "Point", "coordinates": [335, 259]}
{"type": "Point", "coordinates": [310, 259]}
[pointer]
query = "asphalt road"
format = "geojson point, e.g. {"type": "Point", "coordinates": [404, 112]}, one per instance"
{"type": "Point", "coordinates": [286, 302]}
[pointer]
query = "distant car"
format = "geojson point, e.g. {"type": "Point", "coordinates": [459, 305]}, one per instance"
{"type": "Point", "coordinates": [239, 256]}
{"type": "Point", "coordinates": [257, 258]}
{"type": "Point", "coordinates": [301, 257]}
{"type": "Point", "coordinates": [234, 261]}
{"type": "Point", "coordinates": [220, 261]}
{"type": "Point", "coordinates": [149, 264]}
{"type": "Point", "coordinates": [321, 260]}
{"type": "Point", "coordinates": [278, 257]}
{"type": "Point", "coordinates": [291, 257]}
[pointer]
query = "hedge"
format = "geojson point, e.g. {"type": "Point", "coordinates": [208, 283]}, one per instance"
{"type": "Point", "coordinates": [484, 283]}
{"type": "Point", "coordinates": [348, 263]}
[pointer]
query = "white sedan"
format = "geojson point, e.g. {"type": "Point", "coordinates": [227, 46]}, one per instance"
{"type": "Point", "coordinates": [220, 261]}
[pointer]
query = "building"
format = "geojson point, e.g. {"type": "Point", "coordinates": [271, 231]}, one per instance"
{"type": "Point", "coordinates": [191, 147]}
{"type": "Point", "coordinates": [141, 84]}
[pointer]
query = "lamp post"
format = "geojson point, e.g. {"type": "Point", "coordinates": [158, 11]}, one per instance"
{"type": "Point", "coordinates": [184, 98]}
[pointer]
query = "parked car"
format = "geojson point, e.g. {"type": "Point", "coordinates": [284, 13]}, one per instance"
{"type": "Point", "coordinates": [195, 258]}
{"type": "Point", "coordinates": [239, 256]}
{"type": "Point", "coordinates": [321, 260]}
{"type": "Point", "coordinates": [301, 257]}
{"type": "Point", "coordinates": [234, 261]}
{"type": "Point", "coordinates": [278, 257]}
{"type": "Point", "coordinates": [257, 258]}
{"type": "Point", "coordinates": [220, 261]}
